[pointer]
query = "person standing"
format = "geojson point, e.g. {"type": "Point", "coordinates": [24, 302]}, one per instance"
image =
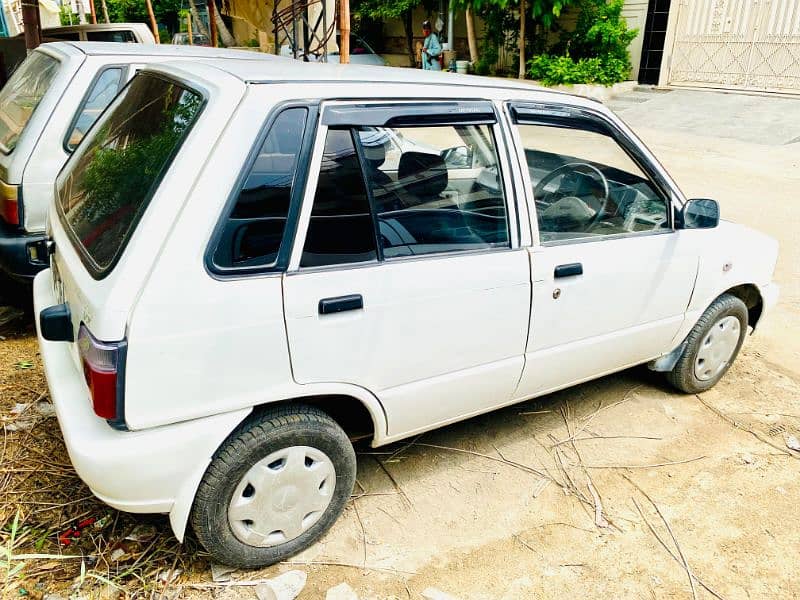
{"type": "Point", "coordinates": [431, 49]}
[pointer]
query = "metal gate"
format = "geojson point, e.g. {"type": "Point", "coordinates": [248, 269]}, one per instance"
{"type": "Point", "coordinates": [740, 44]}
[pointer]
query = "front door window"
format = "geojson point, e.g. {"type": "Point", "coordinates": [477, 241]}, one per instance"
{"type": "Point", "coordinates": [586, 186]}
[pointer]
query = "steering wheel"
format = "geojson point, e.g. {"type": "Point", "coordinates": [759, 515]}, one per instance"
{"type": "Point", "coordinates": [578, 167]}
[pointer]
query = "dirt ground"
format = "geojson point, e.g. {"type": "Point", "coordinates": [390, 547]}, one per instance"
{"type": "Point", "coordinates": [502, 506]}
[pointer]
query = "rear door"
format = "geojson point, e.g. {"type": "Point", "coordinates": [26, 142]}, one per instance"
{"type": "Point", "coordinates": [405, 279]}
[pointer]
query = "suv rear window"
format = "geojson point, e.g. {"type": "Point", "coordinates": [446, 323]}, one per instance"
{"type": "Point", "coordinates": [109, 181]}
{"type": "Point", "coordinates": [22, 94]}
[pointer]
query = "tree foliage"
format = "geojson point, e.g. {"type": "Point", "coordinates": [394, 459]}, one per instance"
{"type": "Point", "coordinates": [595, 52]}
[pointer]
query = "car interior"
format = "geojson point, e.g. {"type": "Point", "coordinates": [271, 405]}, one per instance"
{"type": "Point", "coordinates": [578, 198]}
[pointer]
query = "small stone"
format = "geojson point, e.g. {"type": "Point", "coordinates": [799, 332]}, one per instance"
{"type": "Point", "coordinates": [117, 554]}
{"type": "Point", "coordinates": [341, 592]}
{"type": "Point", "coordinates": [286, 586]}
{"type": "Point", "coordinates": [431, 593]}
{"type": "Point", "coordinates": [793, 443]}
{"type": "Point", "coordinates": [45, 409]}
{"type": "Point", "coordinates": [265, 592]}
{"type": "Point", "coordinates": [221, 573]}
{"type": "Point", "coordinates": [748, 458]}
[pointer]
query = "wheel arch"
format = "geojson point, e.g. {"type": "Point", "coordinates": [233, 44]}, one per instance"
{"type": "Point", "coordinates": [355, 409]}
{"type": "Point", "coordinates": [752, 298]}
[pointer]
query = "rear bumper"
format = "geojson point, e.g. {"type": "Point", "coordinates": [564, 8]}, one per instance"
{"type": "Point", "coordinates": [135, 471]}
{"type": "Point", "coordinates": [14, 258]}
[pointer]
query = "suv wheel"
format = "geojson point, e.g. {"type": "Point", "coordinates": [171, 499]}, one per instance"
{"type": "Point", "coordinates": [274, 487]}
{"type": "Point", "coordinates": [712, 346]}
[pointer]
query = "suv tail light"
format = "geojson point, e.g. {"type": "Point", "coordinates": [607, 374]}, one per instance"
{"type": "Point", "coordinates": [9, 205]}
{"type": "Point", "coordinates": [103, 368]}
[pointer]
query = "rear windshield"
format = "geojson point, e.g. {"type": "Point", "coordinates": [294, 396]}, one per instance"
{"type": "Point", "coordinates": [107, 184]}
{"type": "Point", "coordinates": [22, 94]}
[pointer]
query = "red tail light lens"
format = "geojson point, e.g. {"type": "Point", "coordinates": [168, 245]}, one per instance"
{"type": "Point", "coordinates": [9, 206]}
{"type": "Point", "coordinates": [102, 364]}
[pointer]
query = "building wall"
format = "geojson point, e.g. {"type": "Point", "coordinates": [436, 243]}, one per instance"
{"type": "Point", "coordinates": [635, 13]}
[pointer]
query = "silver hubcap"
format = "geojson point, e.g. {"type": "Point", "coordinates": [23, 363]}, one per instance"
{"type": "Point", "coordinates": [717, 348]}
{"type": "Point", "coordinates": [282, 496]}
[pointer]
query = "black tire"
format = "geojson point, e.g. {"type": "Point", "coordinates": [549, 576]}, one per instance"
{"type": "Point", "coordinates": [683, 375]}
{"type": "Point", "coordinates": [260, 435]}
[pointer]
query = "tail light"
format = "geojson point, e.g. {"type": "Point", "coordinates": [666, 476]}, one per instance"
{"type": "Point", "coordinates": [9, 205]}
{"type": "Point", "coordinates": [103, 368]}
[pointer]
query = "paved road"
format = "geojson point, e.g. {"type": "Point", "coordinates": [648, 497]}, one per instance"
{"type": "Point", "coordinates": [758, 119]}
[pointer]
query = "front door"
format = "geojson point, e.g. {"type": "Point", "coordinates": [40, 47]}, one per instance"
{"type": "Point", "coordinates": [407, 278]}
{"type": "Point", "coordinates": [611, 276]}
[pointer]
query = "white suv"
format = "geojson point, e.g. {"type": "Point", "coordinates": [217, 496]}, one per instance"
{"type": "Point", "coordinates": [255, 264]}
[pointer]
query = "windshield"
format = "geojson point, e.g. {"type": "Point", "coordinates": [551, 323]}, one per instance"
{"type": "Point", "coordinates": [107, 184]}
{"type": "Point", "coordinates": [22, 94]}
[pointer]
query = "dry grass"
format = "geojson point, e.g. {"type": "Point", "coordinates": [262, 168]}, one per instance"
{"type": "Point", "coordinates": [42, 499]}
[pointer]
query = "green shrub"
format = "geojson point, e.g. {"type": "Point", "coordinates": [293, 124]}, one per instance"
{"type": "Point", "coordinates": [555, 70]}
{"type": "Point", "coordinates": [601, 30]}
{"type": "Point", "coordinates": [595, 52]}
{"type": "Point", "coordinates": [487, 63]}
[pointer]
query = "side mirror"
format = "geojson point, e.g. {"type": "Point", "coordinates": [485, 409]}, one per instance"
{"type": "Point", "coordinates": [459, 157]}
{"type": "Point", "coordinates": [700, 213]}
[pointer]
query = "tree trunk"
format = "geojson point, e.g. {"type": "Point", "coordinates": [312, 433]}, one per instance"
{"type": "Point", "coordinates": [408, 26]}
{"type": "Point", "coordinates": [224, 34]}
{"type": "Point", "coordinates": [152, 20]}
{"type": "Point", "coordinates": [522, 14]}
{"type": "Point", "coordinates": [104, 7]}
{"type": "Point", "coordinates": [344, 31]}
{"type": "Point", "coordinates": [201, 27]}
{"type": "Point", "coordinates": [471, 40]}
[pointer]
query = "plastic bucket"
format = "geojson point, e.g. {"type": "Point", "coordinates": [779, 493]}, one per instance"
{"type": "Point", "coordinates": [462, 66]}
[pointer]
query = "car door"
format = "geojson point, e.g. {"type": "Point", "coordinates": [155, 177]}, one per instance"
{"type": "Point", "coordinates": [612, 277]}
{"type": "Point", "coordinates": [399, 283]}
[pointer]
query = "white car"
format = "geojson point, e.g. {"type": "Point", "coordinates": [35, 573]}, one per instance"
{"type": "Point", "coordinates": [131, 33]}
{"type": "Point", "coordinates": [45, 110]}
{"type": "Point", "coordinates": [242, 283]}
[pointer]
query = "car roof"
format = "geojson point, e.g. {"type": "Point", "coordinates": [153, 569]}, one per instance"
{"type": "Point", "coordinates": [96, 27]}
{"type": "Point", "coordinates": [160, 50]}
{"type": "Point", "coordinates": [294, 71]}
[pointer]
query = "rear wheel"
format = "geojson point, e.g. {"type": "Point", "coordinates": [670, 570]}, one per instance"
{"type": "Point", "coordinates": [274, 487]}
{"type": "Point", "coordinates": [712, 346]}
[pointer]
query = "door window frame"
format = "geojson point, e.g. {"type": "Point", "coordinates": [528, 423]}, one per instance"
{"type": "Point", "coordinates": [567, 116]}
{"type": "Point", "coordinates": [412, 112]}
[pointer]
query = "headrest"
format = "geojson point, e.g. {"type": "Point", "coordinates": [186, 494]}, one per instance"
{"type": "Point", "coordinates": [422, 174]}
{"type": "Point", "coordinates": [375, 155]}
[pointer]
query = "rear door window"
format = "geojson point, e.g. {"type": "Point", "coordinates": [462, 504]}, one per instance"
{"type": "Point", "coordinates": [340, 229]}
{"type": "Point", "coordinates": [254, 230]}
{"type": "Point", "coordinates": [125, 36]}
{"type": "Point", "coordinates": [22, 94]}
{"type": "Point", "coordinates": [99, 96]}
{"type": "Point", "coordinates": [109, 181]}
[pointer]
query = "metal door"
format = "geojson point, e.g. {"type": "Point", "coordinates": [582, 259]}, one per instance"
{"type": "Point", "coordinates": [737, 44]}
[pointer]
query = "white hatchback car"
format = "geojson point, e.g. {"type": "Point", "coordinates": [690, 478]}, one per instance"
{"type": "Point", "coordinates": [46, 107]}
{"type": "Point", "coordinates": [255, 264]}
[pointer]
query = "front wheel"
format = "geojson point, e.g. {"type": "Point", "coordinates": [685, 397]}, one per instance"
{"type": "Point", "coordinates": [274, 487]}
{"type": "Point", "coordinates": [712, 346]}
